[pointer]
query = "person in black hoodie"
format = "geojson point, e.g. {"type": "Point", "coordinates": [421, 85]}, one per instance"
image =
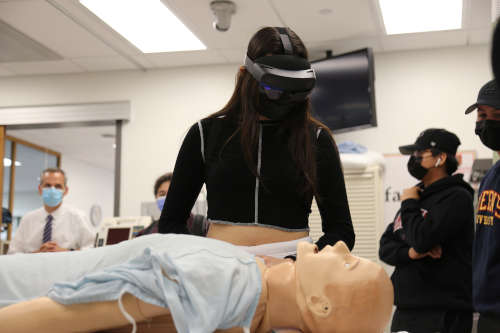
{"type": "Point", "coordinates": [430, 241]}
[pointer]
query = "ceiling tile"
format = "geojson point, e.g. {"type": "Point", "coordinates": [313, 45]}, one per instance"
{"type": "Point", "coordinates": [103, 63]}
{"type": "Point", "coordinates": [329, 20]}
{"type": "Point", "coordinates": [341, 25]}
{"type": "Point", "coordinates": [95, 26]}
{"type": "Point", "coordinates": [42, 67]}
{"type": "Point", "coordinates": [16, 46]}
{"type": "Point", "coordinates": [172, 59]}
{"type": "Point", "coordinates": [249, 17]}
{"type": "Point", "coordinates": [50, 27]}
{"type": "Point", "coordinates": [423, 40]}
{"type": "Point", "coordinates": [236, 56]}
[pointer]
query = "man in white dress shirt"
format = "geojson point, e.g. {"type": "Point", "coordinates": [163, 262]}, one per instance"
{"type": "Point", "coordinates": [55, 226]}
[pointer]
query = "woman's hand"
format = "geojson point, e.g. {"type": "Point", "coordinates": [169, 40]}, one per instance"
{"type": "Point", "coordinates": [435, 253]}
{"type": "Point", "coordinates": [411, 193]}
{"type": "Point", "coordinates": [415, 255]}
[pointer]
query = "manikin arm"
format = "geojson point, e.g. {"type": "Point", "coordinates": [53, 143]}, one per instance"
{"type": "Point", "coordinates": [44, 315]}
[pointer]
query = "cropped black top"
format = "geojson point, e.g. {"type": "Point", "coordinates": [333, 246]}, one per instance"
{"type": "Point", "coordinates": [236, 196]}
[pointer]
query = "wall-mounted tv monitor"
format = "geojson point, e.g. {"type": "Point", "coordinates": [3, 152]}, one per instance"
{"type": "Point", "coordinates": [344, 95]}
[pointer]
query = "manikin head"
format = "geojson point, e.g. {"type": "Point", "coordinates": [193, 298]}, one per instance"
{"type": "Point", "coordinates": [341, 293]}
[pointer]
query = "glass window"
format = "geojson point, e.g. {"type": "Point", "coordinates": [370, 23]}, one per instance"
{"type": "Point", "coordinates": [6, 180]}
{"type": "Point", "coordinates": [29, 164]}
{"type": "Point", "coordinates": [6, 172]}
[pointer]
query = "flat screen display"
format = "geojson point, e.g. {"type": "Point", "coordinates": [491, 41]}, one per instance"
{"type": "Point", "coordinates": [344, 95]}
{"type": "Point", "coordinates": [117, 235]}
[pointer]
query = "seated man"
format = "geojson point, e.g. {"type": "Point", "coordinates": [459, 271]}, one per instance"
{"type": "Point", "coordinates": [324, 291]}
{"type": "Point", "coordinates": [197, 224]}
{"type": "Point", "coordinates": [55, 226]}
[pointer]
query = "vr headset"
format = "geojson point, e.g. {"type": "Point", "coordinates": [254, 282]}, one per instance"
{"type": "Point", "coordinates": [283, 75]}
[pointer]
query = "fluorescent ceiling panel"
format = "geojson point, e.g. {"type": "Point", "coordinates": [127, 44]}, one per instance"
{"type": "Point", "coordinates": [148, 24]}
{"type": "Point", "coordinates": [408, 16]}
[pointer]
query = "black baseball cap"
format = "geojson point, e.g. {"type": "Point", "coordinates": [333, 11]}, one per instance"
{"type": "Point", "coordinates": [488, 95]}
{"type": "Point", "coordinates": [433, 138]}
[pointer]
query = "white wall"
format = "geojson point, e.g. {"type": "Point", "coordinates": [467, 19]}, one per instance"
{"type": "Point", "coordinates": [164, 104]}
{"type": "Point", "coordinates": [422, 89]}
{"type": "Point", "coordinates": [88, 185]}
{"type": "Point", "coordinates": [414, 90]}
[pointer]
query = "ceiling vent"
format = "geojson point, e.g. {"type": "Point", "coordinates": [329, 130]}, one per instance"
{"type": "Point", "coordinates": [17, 47]}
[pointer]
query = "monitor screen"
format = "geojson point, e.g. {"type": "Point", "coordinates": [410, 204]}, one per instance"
{"type": "Point", "coordinates": [344, 95]}
{"type": "Point", "coordinates": [117, 235]}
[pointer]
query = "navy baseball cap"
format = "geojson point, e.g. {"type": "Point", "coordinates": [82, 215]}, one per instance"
{"type": "Point", "coordinates": [488, 95]}
{"type": "Point", "coordinates": [433, 138]}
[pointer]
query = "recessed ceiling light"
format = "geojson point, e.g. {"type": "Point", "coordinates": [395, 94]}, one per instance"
{"type": "Point", "coordinates": [148, 24]}
{"type": "Point", "coordinates": [409, 16]}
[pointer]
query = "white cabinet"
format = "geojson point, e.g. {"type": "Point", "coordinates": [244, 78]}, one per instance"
{"type": "Point", "coordinates": [365, 195]}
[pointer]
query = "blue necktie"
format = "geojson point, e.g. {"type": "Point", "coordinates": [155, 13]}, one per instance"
{"type": "Point", "coordinates": [47, 231]}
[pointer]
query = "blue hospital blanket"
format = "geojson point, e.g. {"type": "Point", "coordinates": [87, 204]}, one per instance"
{"type": "Point", "coordinates": [206, 284]}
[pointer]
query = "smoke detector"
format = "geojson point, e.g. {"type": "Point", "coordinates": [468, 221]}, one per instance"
{"type": "Point", "coordinates": [222, 10]}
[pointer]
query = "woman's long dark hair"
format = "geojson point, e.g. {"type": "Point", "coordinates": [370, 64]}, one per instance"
{"type": "Point", "coordinates": [243, 105]}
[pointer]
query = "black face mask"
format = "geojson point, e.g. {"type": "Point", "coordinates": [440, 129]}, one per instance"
{"type": "Point", "coordinates": [415, 168]}
{"type": "Point", "coordinates": [489, 133]}
{"type": "Point", "coordinates": [276, 109]}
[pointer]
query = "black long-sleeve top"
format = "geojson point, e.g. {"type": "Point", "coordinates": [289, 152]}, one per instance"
{"type": "Point", "coordinates": [211, 155]}
{"type": "Point", "coordinates": [443, 216]}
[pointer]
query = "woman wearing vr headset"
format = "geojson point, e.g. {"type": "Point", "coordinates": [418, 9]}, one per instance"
{"type": "Point", "coordinates": [263, 157]}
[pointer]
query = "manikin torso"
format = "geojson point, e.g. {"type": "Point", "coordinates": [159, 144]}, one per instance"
{"type": "Point", "coordinates": [293, 300]}
{"type": "Point", "coordinates": [322, 292]}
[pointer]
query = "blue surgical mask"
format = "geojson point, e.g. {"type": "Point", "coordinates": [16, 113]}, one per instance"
{"type": "Point", "coordinates": [52, 196]}
{"type": "Point", "coordinates": [160, 201]}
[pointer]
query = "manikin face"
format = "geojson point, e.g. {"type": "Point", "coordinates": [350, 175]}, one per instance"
{"type": "Point", "coordinates": [339, 292]}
